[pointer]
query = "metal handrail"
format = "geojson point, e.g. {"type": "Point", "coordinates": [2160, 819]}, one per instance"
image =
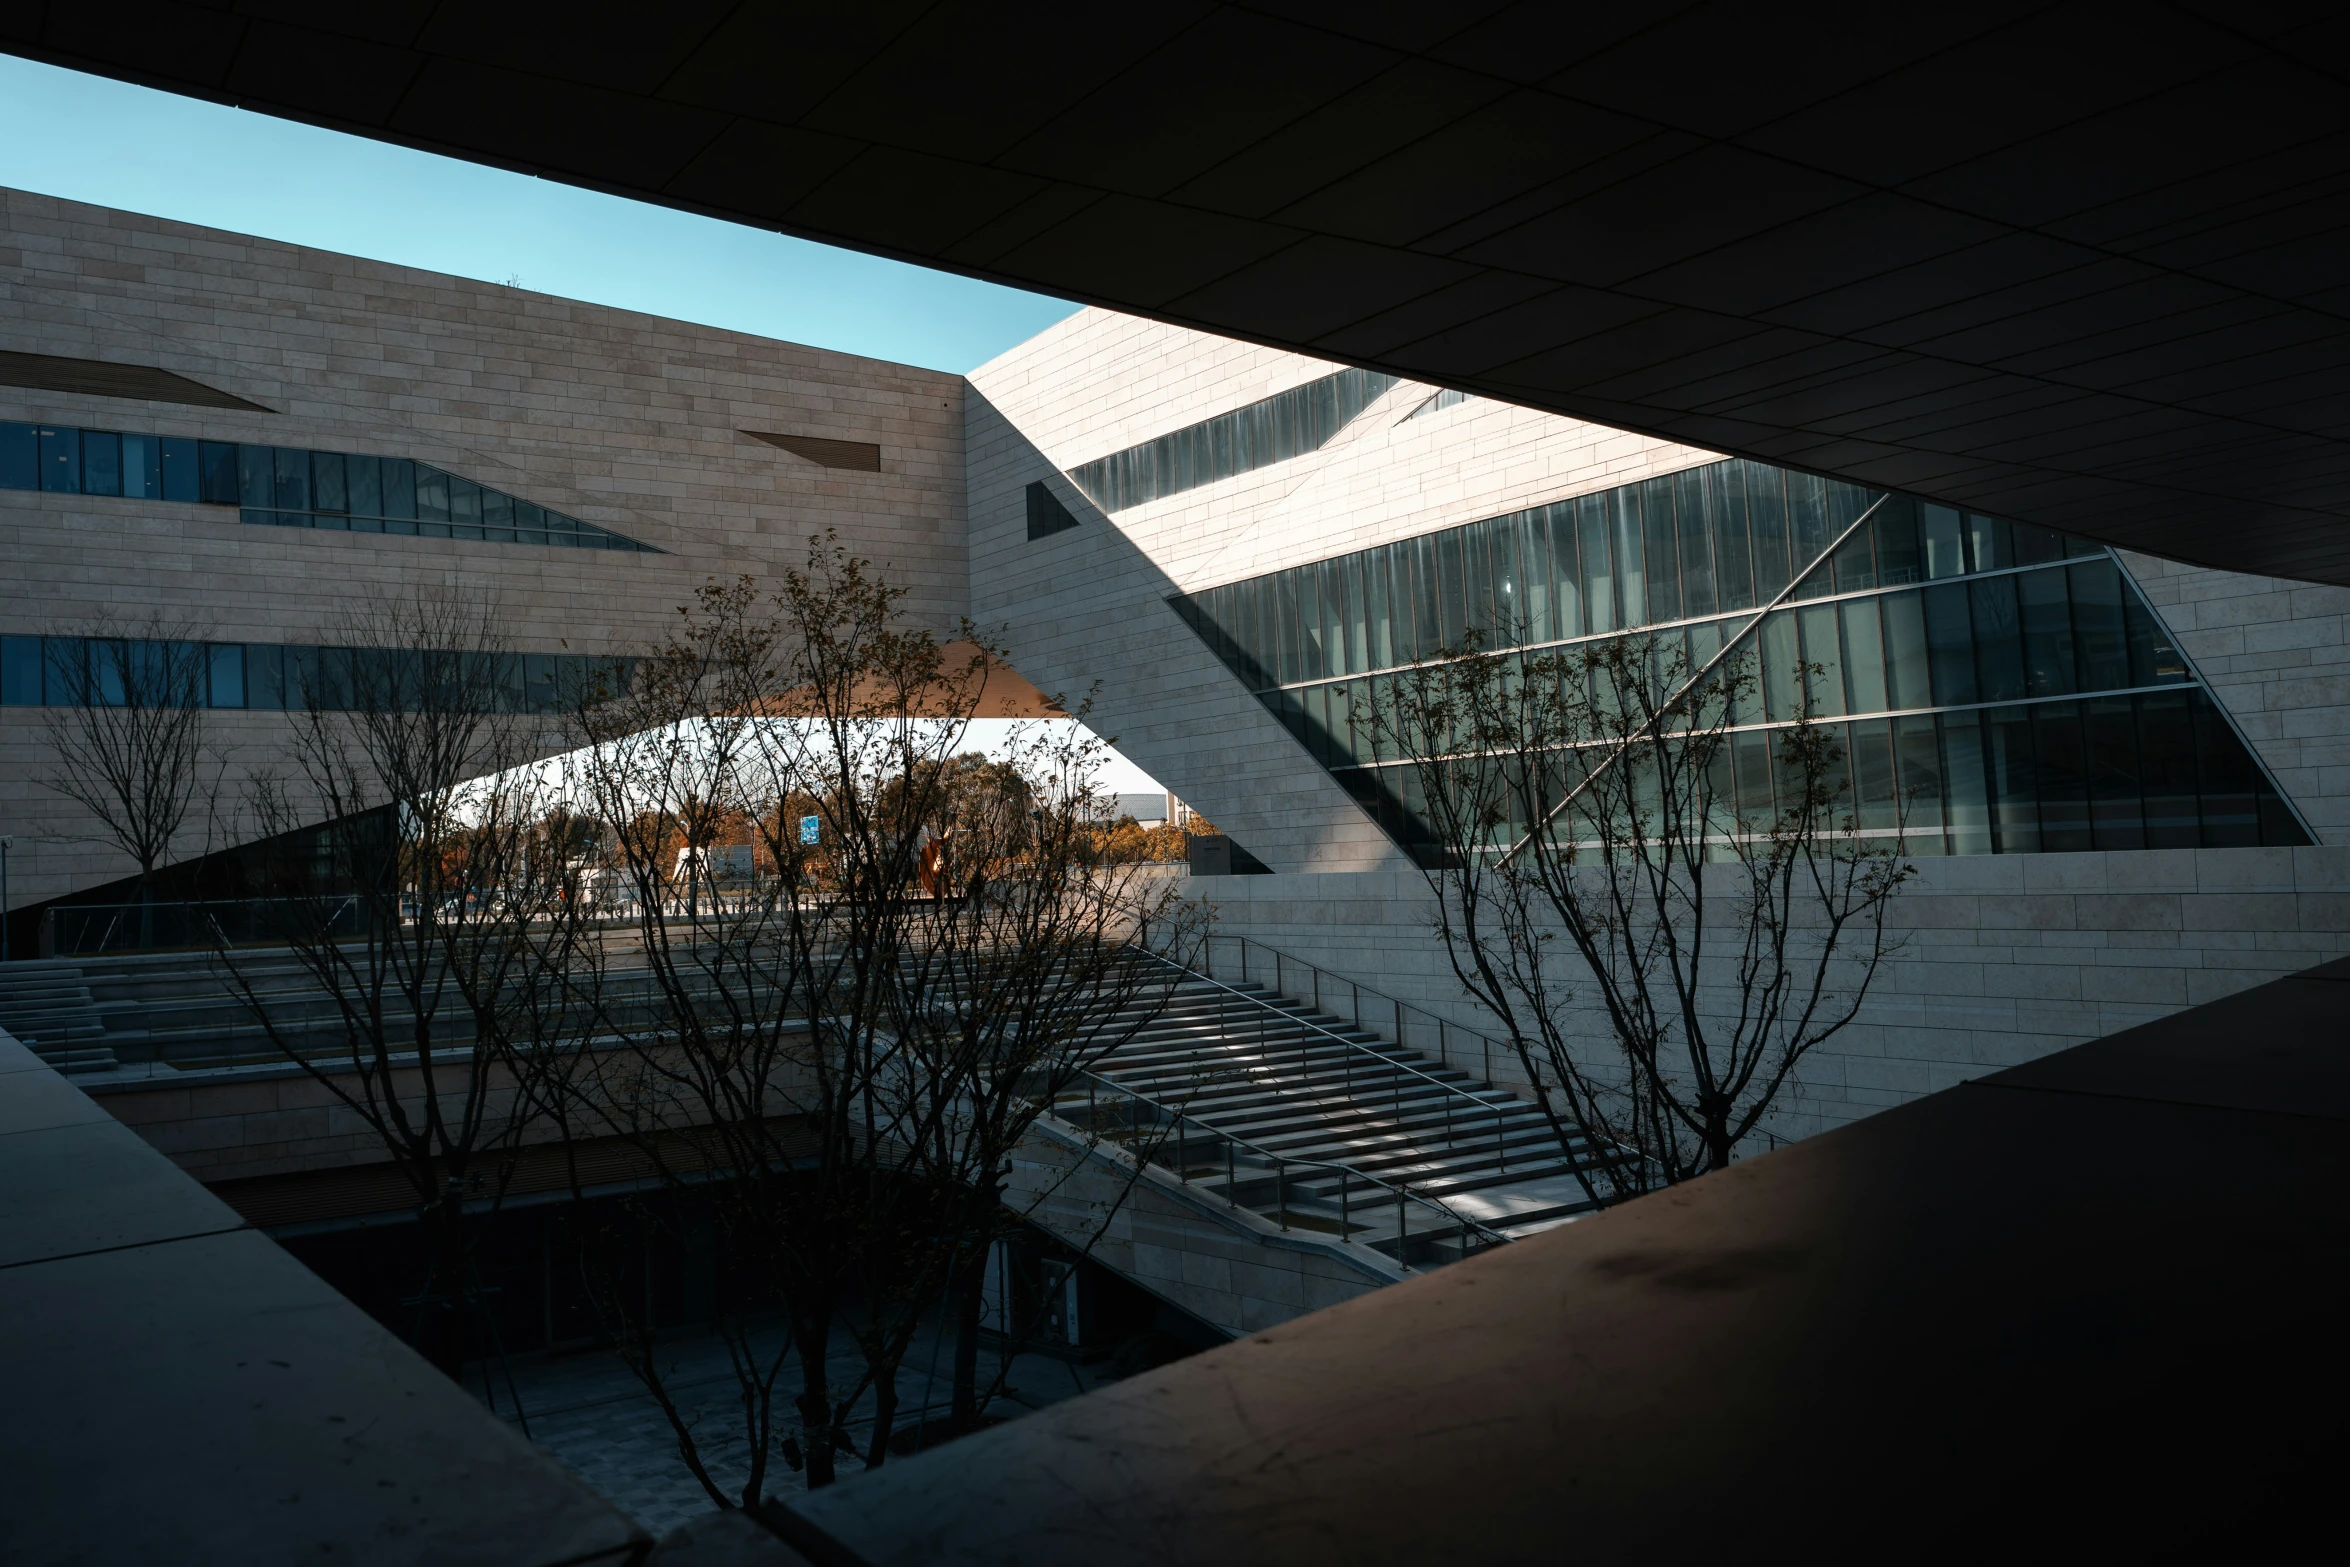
{"type": "Point", "coordinates": [1452, 1090]}
{"type": "Point", "coordinates": [1357, 991]}
{"type": "Point", "coordinates": [1282, 1164]}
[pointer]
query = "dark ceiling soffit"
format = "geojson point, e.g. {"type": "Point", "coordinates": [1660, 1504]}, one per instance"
{"type": "Point", "coordinates": [861, 456]}
{"type": "Point", "coordinates": [104, 378]}
{"type": "Point", "coordinates": [2183, 515]}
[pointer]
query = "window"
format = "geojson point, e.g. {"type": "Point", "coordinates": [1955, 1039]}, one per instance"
{"type": "Point", "coordinates": [1997, 688]}
{"type": "Point", "coordinates": [1285, 425]}
{"type": "Point", "coordinates": [287, 487]}
{"type": "Point", "coordinates": [1046, 514]}
{"type": "Point", "coordinates": [60, 671]}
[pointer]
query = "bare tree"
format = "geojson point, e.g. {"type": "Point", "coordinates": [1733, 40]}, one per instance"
{"type": "Point", "coordinates": [835, 1060]}
{"type": "Point", "coordinates": [130, 737]}
{"type": "Point", "coordinates": [442, 918]}
{"type": "Point", "coordinates": [1608, 822]}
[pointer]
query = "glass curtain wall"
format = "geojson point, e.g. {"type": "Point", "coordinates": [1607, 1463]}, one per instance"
{"type": "Point", "coordinates": [289, 487]}
{"type": "Point", "coordinates": [1997, 688]}
{"type": "Point", "coordinates": [1275, 429]}
{"type": "Point", "coordinates": [60, 671]}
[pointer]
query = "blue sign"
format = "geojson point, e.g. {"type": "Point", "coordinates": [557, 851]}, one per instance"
{"type": "Point", "coordinates": [808, 829]}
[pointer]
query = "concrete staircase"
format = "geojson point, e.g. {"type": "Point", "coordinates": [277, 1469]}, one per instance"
{"type": "Point", "coordinates": [52, 1011]}
{"type": "Point", "coordinates": [1319, 1125]}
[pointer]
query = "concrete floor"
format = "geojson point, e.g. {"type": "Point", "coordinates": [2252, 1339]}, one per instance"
{"type": "Point", "coordinates": [591, 1412]}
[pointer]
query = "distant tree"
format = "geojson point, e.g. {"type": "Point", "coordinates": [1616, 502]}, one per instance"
{"type": "Point", "coordinates": [835, 1061]}
{"type": "Point", "coordinates": [1666, 906]}
{"type": "Point", "coordinates": [442, 922]}
{"type": "Point", "coordinates": [130, 737]}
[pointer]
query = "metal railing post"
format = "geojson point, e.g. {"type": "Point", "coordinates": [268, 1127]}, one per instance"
{"type": "Point", "coordinates": [1231, 1174]}
{"type": "Point", "coordinates": [1281, 1192]}
{"type": "Point", "coordinates": [1345, 1192]}
{"type": "Point", "coordinates": [1402, 1224]}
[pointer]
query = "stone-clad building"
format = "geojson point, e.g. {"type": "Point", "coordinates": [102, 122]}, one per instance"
{"type": "Point", "coordinates": [2130, 791]}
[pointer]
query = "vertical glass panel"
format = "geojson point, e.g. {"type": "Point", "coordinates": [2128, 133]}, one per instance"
{"type": "Point", "coordinates": [101, 462]}
{"type": "Point", "coordinates": [2154, 660]}
{"type": "Point", "coordinates": [1599, 597]}
{"type": "Point", "coordinates": [363, 486]}
{"type": "Point", "coordinates": [1780, 661]}
{"type": "Point", "coordinates": [1855, 566]}
{"type": "Point", "coordinates": [1988, 545]}
{"type": "Point", "coordinates": [1766, 508]}
{"type": "Point", "coordinates": [2101, 645]}
{"type": "Point", "coordinates": [62, 671]}
{"type": "Point", "coordinates": [2064, 778]}
{"type": "Point", "coordinates": [293, 478]}
{"type": "Point", "coordinates": [220, 470]}
{"type": "Point", "coordinates": [2109, 729]}
{"type": "Point", "coordinates": [1919, 760]}
{"type": "Point", "coordinates": [1999, 641]}
{"type": "Point", "coordinates": [497, 516]}
{"type": "Point", "coordinates": [464, 508]}
{"type": "Point", "coordinates": [1874, 797]}
{"type": "Point", "coordinates": [1566, 573]}
{"type": "Point", "coordinates": [1823, 678]}
{"type": "Point", "coordinates": [1536, 574]}
{"type": "Point", "coordinates": [1900, 556]}
{"type": "Point", "coordinates": [1477, 585]}
{"type": "Point", "coordinates": [399, 485]}
{"type": "Point", "coordinates": [1966, 802]}
{"type": "Point", "coordinates": [1281, 622]}
{"type": "Point", "coordinates": [432, 494]}
{"type": "Point", "coordinates": [142, 467]}
{"type": "Point", "coordinates": [256, 476]}
{"type": "Point", "coordinates": [1950, 645]}
{"type": "Point", "coordinates": [265, 676]}
{"type": "Point", "coordinates": [1660, 552]}
{"type": "Point", "coordinates": [1330, 599]}
{"type": "Point", "coordinates": [1378, 635]}
{"type": "Point", "coordinates": [1450, 600]}
{"type": "Point", "coordinates": [20, 457]}
{"type": "Point", "coordinates": [1725, 511]}
{"type": "Point", "coordinates": [225, 674]}
{"type": "Point", "coordinates": [1864, 657]}
{"type": "Point", "coordinates": [2014, 779]}
{"type": "Point", "coordinates": [1907, 683]}
{"type": "Point", "coordinates": [1631, 574]}
{"type": "Point", "coordinates": [20, 672]}
{"type": "Point", "coordinates": [2047, 614]}
{"type": "Point", "coordinates": [1358, 620]}
{"type": "Point", "coordinates": [181, 478]}
{"type": "Point", "coordinates": [2166, 758]}
{"type": "Point", "coordinates": [1427, 596]}
{"type": "Point", "coordinates": [1750, 760]}
{"type": "Point", "coordinates": [1512, 604]}
{"type": "Point", "coordinates": [61, 459]}
{"type": "Point", "coordinates": [330, 488]}
{"type": "Point", "coordinates": [1807, 525]}
{"type": "Point", "coordinates": [1945, 541]}
{"type": "Point", "coordinates": [2228, 778]}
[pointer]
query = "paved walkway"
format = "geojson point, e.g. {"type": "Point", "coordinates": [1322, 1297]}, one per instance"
{"type": "Point", "coordinates": [590, 1411]}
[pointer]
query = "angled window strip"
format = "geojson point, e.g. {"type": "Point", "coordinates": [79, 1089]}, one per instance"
{"type": "Point", "coordinates": [290, 487]}
{"type": "Point", "coordinates": [855, 456]}
{"type": "Point", "coordinates": [1998, 688]}
{"type": "Point", "coordinates": [1273, 429]}
{"type": "Point", "coordinates": [106, 378]}
{"type": "Point", "coordinates": [1046, 514]}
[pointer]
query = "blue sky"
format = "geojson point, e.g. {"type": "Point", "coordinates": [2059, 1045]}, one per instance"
{"type": "Point", "coordinates": [89, 139]}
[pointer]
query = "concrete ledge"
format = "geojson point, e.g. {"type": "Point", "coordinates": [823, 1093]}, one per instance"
{"type": "Point", "coordinates": [181, 1390]}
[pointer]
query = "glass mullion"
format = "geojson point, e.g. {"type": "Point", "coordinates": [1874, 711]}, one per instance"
{"type": "Point", "coordinates": [1725, 511]}
{"type": "Point", "coordinates": [2063, 777]}
{"type": "Point", "coordinates": [2117, 813]}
